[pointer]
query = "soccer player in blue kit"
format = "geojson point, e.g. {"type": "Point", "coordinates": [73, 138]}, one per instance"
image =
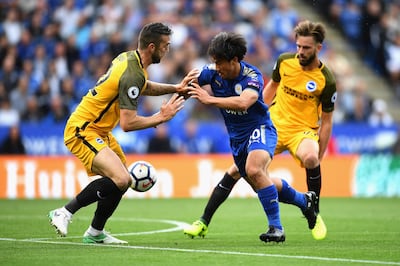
{"type": "Point", "coordinates": [235, 87]}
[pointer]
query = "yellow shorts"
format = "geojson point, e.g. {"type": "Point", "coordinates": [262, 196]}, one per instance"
{"type": "Point", "coordinates": [85, 144]}
{"type": "Point", "coordinates": [289, 140]}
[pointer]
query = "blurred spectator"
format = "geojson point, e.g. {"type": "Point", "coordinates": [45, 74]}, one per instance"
{"type": "Point", "coordinates": [245, 9]}
{"type": "Point", "coordinates": [26, 45]}
{"type": "Point", "coordinates": [133, 17]}
{"type": "Point", "coordinates": [8, 116]}
{"type": "Point", "coordinates": [68, 16]}
{"type": "Point", "coordinates": [160, 142]}
{"type": "Point", "coordinates": [12, 26]}
{"type": "Point", "coordinates": [40, 61]}
{"type": "Point", "coordinates": [43, 96]}
{"type": "Point", "coordinates": [82, 35]}
{"type": "Point", "coordinates": [61, 60]}
{"type": "Point", "coordinates": [282, 19]}
{"type": "Point", "coordinates": [393, 62]}
{"type": "Point", "coordinates": [192, 141]}
{"type": "Point", "coordinates": [34, 79]}
{"type": "Point", "coordinates": [72, 52]}
{"type": "Point", "coordinates": [117, 44]}
{"type": "Point", "coordinates": [351, 17]}
{"type": "Point", "coordinates": [13, 144]}
{"type": "Point", "coordinates": [81, 81]}
{"type": "Point", "coordinates": [59, 111]}
{"type": "Point", "coordinates": [50, 38]}
{"type": "Point", "coordinates": [223, 19]}
{"type": "Point", "coordinates": [380, 115]}
{"type": "Point", "coordinates": [69, 93]}
{"type": "Point", "coordinates": [358, 103]}
{"type": "Point", "coordinates": [111, 12]}
{"type": "Point", "coordinates": [95, 47]}
{"type": "Point", "coordinates": [33, 113]}
{"type": "Point", "coordinates": [9, 73]}
{"type": "Point", "coordinates": [19, 95]}
{"type": "Point", "coordinates": [3, 93]}
{"type": "Point", "coordinates": [371, 13]}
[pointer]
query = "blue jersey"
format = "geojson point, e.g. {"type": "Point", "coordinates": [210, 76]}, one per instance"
{"type": "Point", "coordinates": [239, 124]}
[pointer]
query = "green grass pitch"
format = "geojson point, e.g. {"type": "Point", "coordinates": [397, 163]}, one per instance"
{"type": "Point", "coordinates": [360, 232]}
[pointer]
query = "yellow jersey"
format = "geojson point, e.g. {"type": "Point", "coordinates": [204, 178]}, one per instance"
{"type": "Point", "coordinates": [119, 88]}
{"type": "Point", "coordinates": [301, 94]}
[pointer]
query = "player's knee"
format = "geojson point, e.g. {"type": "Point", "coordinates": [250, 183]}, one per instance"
{"type": "Point", "coordinates": [311, 161]}
{"type": "Point", "coordinates": [123, 182]}
{"type": "Point", "coordinates": [253, 172]}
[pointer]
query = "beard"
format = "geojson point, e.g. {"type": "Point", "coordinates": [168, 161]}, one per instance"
{"type": "Point", "coordinates": [155, 58]}
{"type": "Point", "coordinates": [307, 61]}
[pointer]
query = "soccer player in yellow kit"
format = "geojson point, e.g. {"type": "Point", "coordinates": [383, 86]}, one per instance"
{"type": "Point", "coordinates": [88, 132]}
{"type": "Point", "coordinates": [301, 96]}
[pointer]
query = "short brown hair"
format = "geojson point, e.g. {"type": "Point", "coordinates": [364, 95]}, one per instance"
{"type": "Point", "coordinates": [308, 28]}
{"type": "Point", "coordinates": [151, 33]}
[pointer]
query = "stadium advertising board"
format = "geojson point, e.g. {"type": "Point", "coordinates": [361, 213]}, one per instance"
{"type": "Point", "coordinates": [178, 176]}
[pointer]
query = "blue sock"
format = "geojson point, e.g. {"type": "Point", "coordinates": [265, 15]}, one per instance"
{"type": "Point", "coordinates": [269, 200]}
{"type": "Point", "coordinates": [291, 196]}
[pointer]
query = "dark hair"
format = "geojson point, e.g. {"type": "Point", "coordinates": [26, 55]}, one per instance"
{"type": "Point", "coordinates": [151, 33]}
{"type": "Point", "coordinates": [226, 46]}
{"type": "Point", "coordinates": [308, 28]}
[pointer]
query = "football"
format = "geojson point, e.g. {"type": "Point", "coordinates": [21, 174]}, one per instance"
{"type": "Point", "coordinates": [143, 174]}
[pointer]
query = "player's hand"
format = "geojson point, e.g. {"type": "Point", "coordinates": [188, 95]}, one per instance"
{"type": "Point", "coordinates": [197, 92]}
{"type": "Point", "coordinates": [191, 77]}
{"type": "Point", "coordinates": [169, 109]}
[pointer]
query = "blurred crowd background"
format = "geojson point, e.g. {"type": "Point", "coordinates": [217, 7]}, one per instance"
{"type": "Point", "coordinates": [52, 52]}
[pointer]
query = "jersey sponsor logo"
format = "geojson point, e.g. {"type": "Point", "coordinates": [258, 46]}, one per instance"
{"type": "Point", "coordinates": [297, 94]}
{"type": "Point", "coordinates": [334, 97]}
{"type": "Point", "coordinates": [254, 83]}
{"type": "Point", "coordinates": [99, 140]}
{"type": "Point", "coordinates": [235, 112]}
{"type": "Point", "coordinates": [311, 86]}
{"type": "Point", "coordinates": [238, 89]}
{"type": "Point", "coordinates": [133, 92]}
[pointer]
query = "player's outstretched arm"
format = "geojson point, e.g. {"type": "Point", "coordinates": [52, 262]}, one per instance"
{"type": "Point", "coordinates": [130, 120]}
{"type": "Point", "coordinates": [156, 88]}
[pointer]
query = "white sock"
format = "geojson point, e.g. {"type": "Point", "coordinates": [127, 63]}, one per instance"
{"type": "Point", "coordinates": [94, 232]}
{"type": "Point", "coordinates": [64, 210]}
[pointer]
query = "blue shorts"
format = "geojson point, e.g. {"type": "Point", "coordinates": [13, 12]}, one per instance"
{"type": "Point", "coordinates": [264, 137]}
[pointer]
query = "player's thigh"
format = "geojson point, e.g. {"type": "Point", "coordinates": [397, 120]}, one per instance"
{"type": "Point", "coordinates": [108, 163]}
{"type": "Point", "coordinates": [307, 148]}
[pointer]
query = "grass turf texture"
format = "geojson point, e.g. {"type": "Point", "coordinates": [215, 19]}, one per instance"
{"type": "Point", "coordinates": [360, 232]}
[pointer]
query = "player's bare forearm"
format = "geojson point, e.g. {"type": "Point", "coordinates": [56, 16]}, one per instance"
{"type": "Point", "coordinates": [156, 88]}
{"type": "Point", "coordinates": [324, 136]}
{"type": "Point", "coordinates": [130, 120]}
{"type": "Point", "coordinates": [325, 133]}
{"type": "Point", "coordinates": [323, 144]}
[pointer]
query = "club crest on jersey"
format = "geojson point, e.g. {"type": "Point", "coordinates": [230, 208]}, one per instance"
{"type": "Point", "coordinates": [334, 97]}
{"type": "Point", "coordinates": [311, 86]}
{"type": "Point", "coordinates": [238, 89]}
{"type": "Point", "coordinates": [133, 92]}
{"type": "Point", "coordinates": [99, 140]}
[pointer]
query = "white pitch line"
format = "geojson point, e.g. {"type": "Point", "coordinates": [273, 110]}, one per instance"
{"type": "Point", "coordinates": [179, 226]}
{"type": "Point", "coordinates": [220, 252]}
